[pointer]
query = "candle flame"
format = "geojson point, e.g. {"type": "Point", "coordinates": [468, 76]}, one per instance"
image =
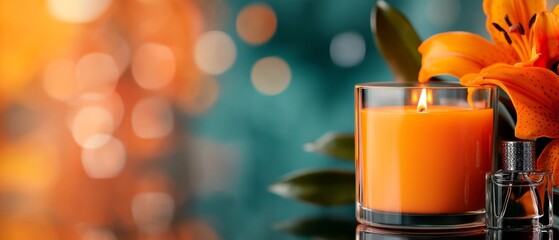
{"type": "Point", "coordinates": [422, 104]}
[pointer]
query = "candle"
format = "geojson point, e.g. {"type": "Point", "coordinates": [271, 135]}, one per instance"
{"type": "Point", "coordinates": [422, 154]}
{"type": "Point", "coordinates": [425, 162]}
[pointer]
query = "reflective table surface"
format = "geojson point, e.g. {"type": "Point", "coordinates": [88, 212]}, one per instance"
{"type": "Point", "coordinates": [268, 216]}
{"type": "Point", "coordinates": [369, 233]}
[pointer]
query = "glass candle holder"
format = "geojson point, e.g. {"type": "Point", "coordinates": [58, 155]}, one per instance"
{"type": "Point", "coordinates": [364, 232]}
{"type": "Point", "coordinates": [422, 154]}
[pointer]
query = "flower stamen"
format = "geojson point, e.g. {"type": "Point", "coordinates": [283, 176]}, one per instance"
{"type": "Point", "coordinates": [508, 20]}
{"type": "Point", "coordinates": [532, 20]}
{"type": "Point", "coordinates": [505, 34]}
{"type": "Point", "coordinates": [509, 41]}
{"type": "Point", "coordinates": [498, 27]}
{"type": "Point", "coordinates": [517, 28]}
{"type": "Point", "coordinates": [517, 37]}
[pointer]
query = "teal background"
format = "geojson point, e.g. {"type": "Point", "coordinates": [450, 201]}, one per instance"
{"type": "Point", "coordinates": [265, 134]}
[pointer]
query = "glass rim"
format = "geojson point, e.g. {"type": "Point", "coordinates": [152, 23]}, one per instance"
{"type": "Point", "coordinates": [418, 85]}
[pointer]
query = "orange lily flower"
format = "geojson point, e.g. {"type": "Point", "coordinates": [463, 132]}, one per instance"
{"type": "Point", "coordinates": [522, 60]}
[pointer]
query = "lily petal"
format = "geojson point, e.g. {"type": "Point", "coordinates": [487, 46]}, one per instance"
{"type": "Point", "coordinates": [517, 12]}
{"type": "Point", "coordinates": [548, 160]}
{"type": "Point", "coordinates": [556, 9]}
{"type": "Point", "coordinates": [533, 92]}
{"type": "Point", "coordinates": [457, 54]}
{"type": "Point", "coordinates": [530, 62]}
{"type": "Point", "coordinates": [546, 36]}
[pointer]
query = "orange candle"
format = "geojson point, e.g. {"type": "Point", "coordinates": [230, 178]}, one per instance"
{"type": "Point", "coordinates": [431, 162]}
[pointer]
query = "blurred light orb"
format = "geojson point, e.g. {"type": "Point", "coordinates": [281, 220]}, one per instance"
{"type": "Point", "coordinates": [152, 16]}
{"type": "Point", "coordinates": [256, 23]}
{"type": "Point", "coordinates": [106, 161]}
{"type": "Point", "coordinates": [121, 52]}
{"type": "Point", "coordinates": [59, 79]}
{"type": "Point", "coordinates": [152, 118]}
{"type": "Point", "coordinates": [200, 95]}
{"type": "Point", "coordinates": [92, 127]}
{"type": "Point", "coordinates": [347, 49]}
{"type": "Point", "coordinates": [214, 52]}
{"type": "Point", "coordinates": [198, 229]}
{"type": "Point", "coordinates": [77, 11]}
{"type": "Point", "coordinates": [270, 75]}
{"type": "Point", "coordinates": [98, 234]}
{"type": "Point", "coordinates": [153, 211]}
{"type": "Point", "coordinates": [443, 13]}
{"type": "Point", "coordinates": [97, 73]}
{"type": "Point", "coordinates": [114, 105]}
{"type": "Point", "coordinates": [153, 66]}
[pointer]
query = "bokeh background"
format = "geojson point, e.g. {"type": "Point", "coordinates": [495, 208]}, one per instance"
{"type": "Point", "coordinates": [168, 119]}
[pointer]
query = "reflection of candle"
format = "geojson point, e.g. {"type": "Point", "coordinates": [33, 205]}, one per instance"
{"type": "Point", "coordinates": [431, 161]}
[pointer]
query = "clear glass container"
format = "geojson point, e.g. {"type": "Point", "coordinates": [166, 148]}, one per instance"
{"type": "Point", "coordinates": [364, 232]}
{"type": "Point", "coordinates": [422, 154]}
{"type": "Point", "coordinates": [517, 196]}
{"type": "Point", "coordinates": [525, 234]}
{"type": "Point", "coordinates": [519, 199]}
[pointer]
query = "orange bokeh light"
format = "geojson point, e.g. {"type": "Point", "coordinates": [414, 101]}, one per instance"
{"type": "Point", "coordinates": [153, 66]}
{"type": "Point", "coordinates": [99, 88]}
{"type": "Point", "coordinates": [256, 23]}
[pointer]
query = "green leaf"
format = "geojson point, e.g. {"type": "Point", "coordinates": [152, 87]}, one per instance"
{"type": "Point", "coordinates": [320, 227]}
{"type": "Point", "coordinates": [397, 41]}
{"type": "Point", "coordinates": [322, 187]}
{"type": "Point", "coordinates": [337, 145]}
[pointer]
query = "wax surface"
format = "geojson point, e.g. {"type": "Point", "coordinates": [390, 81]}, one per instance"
{"type": "Point", "coordinates": [432, 162]}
